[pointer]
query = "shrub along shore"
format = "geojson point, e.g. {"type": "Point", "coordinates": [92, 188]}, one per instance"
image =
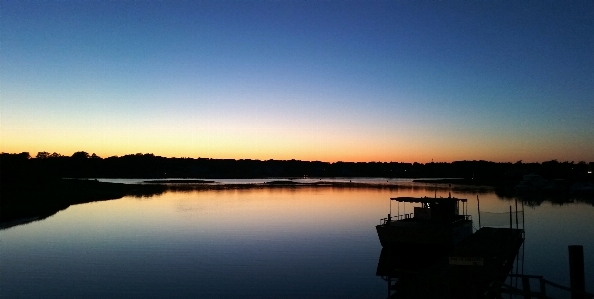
{"type": "Point", "coordinates": [25, 201]}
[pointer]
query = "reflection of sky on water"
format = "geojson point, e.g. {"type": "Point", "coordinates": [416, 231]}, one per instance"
{"type": "Point", "coordinates": [280, 242]}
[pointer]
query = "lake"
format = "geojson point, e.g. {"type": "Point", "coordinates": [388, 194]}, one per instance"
{"type": "Point", "coordinates": [283, 242]}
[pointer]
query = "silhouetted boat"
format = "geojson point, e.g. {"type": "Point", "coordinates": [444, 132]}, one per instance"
{"type": "Point", "coordinates": [436, 224]}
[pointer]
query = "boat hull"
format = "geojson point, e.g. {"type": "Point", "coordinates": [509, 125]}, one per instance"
{"type": "Point", "coordinates": [393, 236]}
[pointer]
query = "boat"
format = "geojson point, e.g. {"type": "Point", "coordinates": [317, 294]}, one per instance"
{"type": "Point", "coordinates": [436, 224]}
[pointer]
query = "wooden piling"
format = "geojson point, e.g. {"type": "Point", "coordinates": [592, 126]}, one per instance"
{"type": "Point", "coordinates": [543, 287]}
{"type": "Point", "coordinates": [526, 287]}
{"type": "Point", "coordinates": [577, 279]}
{"type": "Point", "coordinates": [510, 218]}
{"type": "Point", "coordinates": [517, 213]}
{"type": "Point", "coordinates": [478, 204]}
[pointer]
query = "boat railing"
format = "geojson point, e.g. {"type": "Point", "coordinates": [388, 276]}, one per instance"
{"type": "Point", "coordinates": [542, 292]}
{"type": "Point", "coordinates": [411, 215]}
{"type": "Point", "coordinates": [463, 218]}
{"type": "Point", "coordinates": [396, 218]}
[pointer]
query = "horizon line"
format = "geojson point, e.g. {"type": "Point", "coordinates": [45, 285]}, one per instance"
{"type": "Point", "coordinates": [271, 159]}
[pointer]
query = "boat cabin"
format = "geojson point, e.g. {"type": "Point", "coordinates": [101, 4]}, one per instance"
{"type": "Point", "coordinates": [431, 209]}
{"type": "Point", "coordinates": [436, 223]}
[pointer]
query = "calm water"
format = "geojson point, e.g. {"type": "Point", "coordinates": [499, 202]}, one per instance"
{"type": "Point", "coordinates": [260, 243]}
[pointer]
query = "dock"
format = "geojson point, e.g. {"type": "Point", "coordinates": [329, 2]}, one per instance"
{"type": "Point", "coordinates": [474, 268]}
{"type": "Point", "coordinates": [479, 264]}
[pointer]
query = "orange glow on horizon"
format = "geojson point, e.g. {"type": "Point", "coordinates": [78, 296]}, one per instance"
{"type": "Point", "coordinates": [407, 147]}
{"type": "Point", "coordinates": [410, 156]}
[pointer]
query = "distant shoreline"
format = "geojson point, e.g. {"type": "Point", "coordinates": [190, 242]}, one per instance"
{"type": "Point", "coordinates": [288, 184]}
{"type": "Point", "coordinates": [179, 182]}
{"type": "Point", "coordinates": [25, 201]}
{"type": "Point", "coordinates": [32, 200]}
{"type": "Point", "coordinates": [462, 181]}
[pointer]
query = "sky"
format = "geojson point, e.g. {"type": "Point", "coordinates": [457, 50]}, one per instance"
{"type": "Point", "coordinates": [402, 81]}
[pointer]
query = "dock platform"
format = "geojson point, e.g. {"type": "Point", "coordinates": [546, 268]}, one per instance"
{"type": "Point", "coordinates": [480, 263]}
{"type": "Point", "coordinates": [474, 268]}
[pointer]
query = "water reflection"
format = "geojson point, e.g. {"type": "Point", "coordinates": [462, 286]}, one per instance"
{"type": "Point", "coordinates": [314, 242]}
{"type": "Point", "coordinates": [424, 274]}
{"type": "Point", "coordinates": [412, 273]}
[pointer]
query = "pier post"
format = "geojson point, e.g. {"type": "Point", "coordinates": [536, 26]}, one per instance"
{"type": "Point", "coordinates": [543, 288]}
{"type": "Point", "coordinates": [516, 213]}
{"type": "Point", "coordinates": [577, 280]}
{"type": "Point", "coordinates": [478, 203]}
{"type": "Point", "coordinates": [526, 287]}
{"type": "Point", "coordinates": [510, 218]}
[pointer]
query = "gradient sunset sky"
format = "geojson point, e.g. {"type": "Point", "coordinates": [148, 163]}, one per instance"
{"type": "Point", "coordinates": [333, 81]}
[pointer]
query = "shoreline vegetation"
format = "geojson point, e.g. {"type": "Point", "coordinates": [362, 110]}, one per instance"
{"type": "Point", "coordinates": [30, 201]}
{"type": "Point", "coordinates": [149, 166]}
{"type": "Point", "coordinates": [178, 182]}
{"type": "Point", "coordinates": [33, 189]}
{"type": "Point", "coordinates": [25, 201]}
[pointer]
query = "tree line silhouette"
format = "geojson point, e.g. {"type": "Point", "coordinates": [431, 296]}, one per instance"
{"type": "Point", "coordinates": [33, 188]}
{"type": "Point", "coordinates": [84, 165]}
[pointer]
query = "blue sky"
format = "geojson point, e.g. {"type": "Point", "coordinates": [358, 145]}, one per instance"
{"type": "Point", "coordinates": [311, 80]}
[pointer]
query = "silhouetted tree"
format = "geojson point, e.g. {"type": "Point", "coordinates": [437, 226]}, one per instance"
{"type": "Point", "coordinates": [80, 155]}
{"type": "Point", "coordinates": [56, 155]}
{"type": "Point", "coordinates": [42, 155]}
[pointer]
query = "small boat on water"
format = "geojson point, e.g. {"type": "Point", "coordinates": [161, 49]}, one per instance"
{"type": "Point", "coordinates": [436, 224]}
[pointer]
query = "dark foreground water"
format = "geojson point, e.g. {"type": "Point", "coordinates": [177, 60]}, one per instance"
{"type": "Point", "coordinates": [254, 243]}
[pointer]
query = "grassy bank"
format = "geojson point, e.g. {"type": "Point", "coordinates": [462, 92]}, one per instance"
{"type": "Point", "coordinates": [23, 201]}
